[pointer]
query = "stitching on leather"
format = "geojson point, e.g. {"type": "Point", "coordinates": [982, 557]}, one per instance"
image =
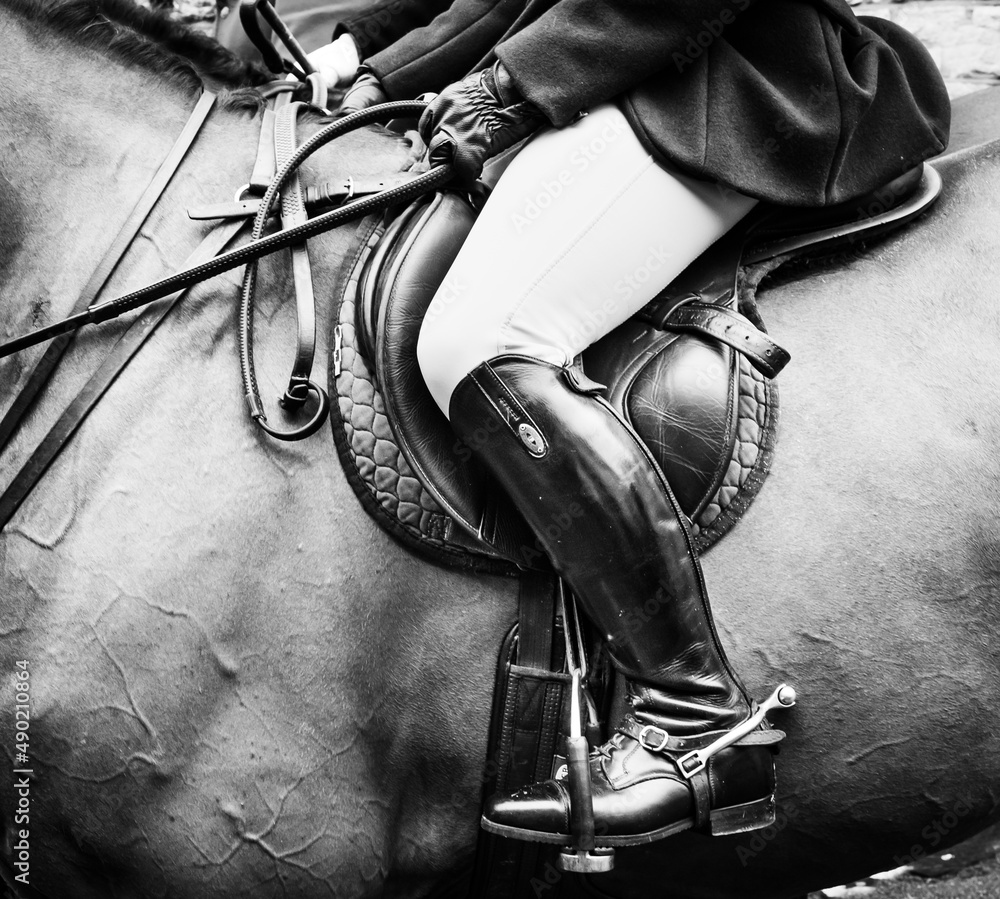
{"type": "Point", "coordinates": [716, 321]}
{"type": "Point", "coordinates": [564, 805]}
{"type": "Point", "coordinates": [626, 774]}
{"type": "Point", "coordinates": [506, 394]}
{"type": "Point", "coordinates": [486, 394]}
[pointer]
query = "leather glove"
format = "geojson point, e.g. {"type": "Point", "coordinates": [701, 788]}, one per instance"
{"type": "Point", "coordinates": [472, 120]}
{"type": "Point", "coordinates": [366, 91]}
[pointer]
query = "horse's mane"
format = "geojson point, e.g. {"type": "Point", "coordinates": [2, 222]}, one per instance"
{"type": "Point", "coordinates": [143, 38]}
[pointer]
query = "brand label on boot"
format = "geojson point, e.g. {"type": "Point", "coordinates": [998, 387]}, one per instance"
{"type": "Point", "coordinates": [531, 439]}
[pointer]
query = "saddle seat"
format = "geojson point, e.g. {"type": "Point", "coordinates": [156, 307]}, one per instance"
{"type": "Point", "coordinates": [679, 371]}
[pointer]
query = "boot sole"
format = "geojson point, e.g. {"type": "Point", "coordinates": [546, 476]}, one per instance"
{"type": "Point", "coordinates": [730, 820]}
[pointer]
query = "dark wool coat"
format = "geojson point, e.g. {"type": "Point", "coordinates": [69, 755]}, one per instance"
{"type": "Point", "coordinates": [793, 101]}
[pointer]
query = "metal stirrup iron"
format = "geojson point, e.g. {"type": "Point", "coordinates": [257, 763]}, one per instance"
{"type": "Point", "coordinates": [582, 857]}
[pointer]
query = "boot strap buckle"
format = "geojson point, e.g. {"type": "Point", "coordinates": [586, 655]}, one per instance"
{"type": "Point", "coordinates": [656, 731]}
{"type": "Point", "coordinates": [695, 761]}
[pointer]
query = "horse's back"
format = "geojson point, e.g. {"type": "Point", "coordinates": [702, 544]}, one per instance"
{"type": "Point", "coordinates": [975, 119]}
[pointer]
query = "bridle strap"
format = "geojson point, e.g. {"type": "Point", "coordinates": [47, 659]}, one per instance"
{"type": "Point", "coordinates": [50, 358]}
{"type": "Point", "coordinates": [83, 403]}
{"type": "Point", "coordinates": [293, 212]}
{"type": "Point", "coordinates": [205, 262]}
{"type": "Point", "coordinates": [249, 11]}
{"type": "Point", "coordinates": [279, 240]}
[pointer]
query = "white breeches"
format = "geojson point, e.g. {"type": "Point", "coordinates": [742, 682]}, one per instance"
{"type": "Point", "coordinates": [583, 229]}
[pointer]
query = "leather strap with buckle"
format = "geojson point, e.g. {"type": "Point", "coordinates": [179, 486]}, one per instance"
{"type": "Point", "coordinates": [700, 748]}
{"type": "Point", "coordinates": [327, 195]}
{"type": "Point", "coordinates": [656, 739]}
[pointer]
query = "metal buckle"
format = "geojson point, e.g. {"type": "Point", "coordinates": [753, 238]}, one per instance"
{"type": "Point", "coordinates": [338, 351]}
{"type": "Point", "coordinates": [652, 728]}
{"type": "Point", "coordinates": [350, 191]}
{"type": "Point", "coordinates": [684, 763]}
{"type": "Point", "coordinates": [782, 697]}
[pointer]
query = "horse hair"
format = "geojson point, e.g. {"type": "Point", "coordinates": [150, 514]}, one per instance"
{"type": "Point", "coordinates": [150, 39]}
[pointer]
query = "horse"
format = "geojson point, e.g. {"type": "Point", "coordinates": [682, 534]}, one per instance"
{"type": "Point", "coordinates": [237, 685]}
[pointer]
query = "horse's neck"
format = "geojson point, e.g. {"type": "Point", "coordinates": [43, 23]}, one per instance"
{"type": "Point", "coordinates": [71, 174]}
{"type": "Point", "coordinates": [79, 153]}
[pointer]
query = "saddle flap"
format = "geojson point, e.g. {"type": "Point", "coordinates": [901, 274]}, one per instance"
{"type": "Point", "coordinates": [679, 392]}
{"type": "Point", "coordinates": [414, 269]}
{"type": "Point", "coordinates": [370, 279]}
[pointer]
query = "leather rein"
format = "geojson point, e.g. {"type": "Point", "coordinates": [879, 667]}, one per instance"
{"type": "Point", "coordinates": [207, 261]}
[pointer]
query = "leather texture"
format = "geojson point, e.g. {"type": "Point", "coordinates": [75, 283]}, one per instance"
{"type": "Point", "coordinates": [639, 795]}
{"type": "Point", "coordinates": [473, 120]}
{"type": "Point", "coordinates": [681, 394]}
{"type": "Point", "coordinates": [593, 494]}
{"type": "Point", "coordinates": [601, 507]}
{"type": "Point", "coordinates": [417, 263]}
{"type": "Point", "coordinates": [678, 412]}
{"type": "Point", "coordinates": [393, 287]}
{"type": "Point", "coordinates": [366, 91]}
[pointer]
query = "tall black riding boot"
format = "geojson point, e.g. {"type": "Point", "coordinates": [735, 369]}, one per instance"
{"type": "Point", "coordinates": [607, 518]}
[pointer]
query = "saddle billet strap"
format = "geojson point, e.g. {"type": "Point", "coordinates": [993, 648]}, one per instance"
{"type": "Point", "coordinates": [536, 612]}
{"type": "Point", "coordinates": [734, 330]}
{"type": "Point", "coordinates": [81, 406]}
{"type": "Point", "coordinates": [123, 240]}
{"type": "Point", "coordinates": [768, 232]}
{"type": "Point", "coordinates": [525, 730]}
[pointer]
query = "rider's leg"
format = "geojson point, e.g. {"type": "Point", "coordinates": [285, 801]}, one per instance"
{"type": "Point", "coordinates": [581, 231]}
{"type": "Point", "coordinates": [537, 281]}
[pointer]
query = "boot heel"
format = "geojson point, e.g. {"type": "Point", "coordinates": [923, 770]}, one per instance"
{"type": "Point", "coordinates": [741, 818]}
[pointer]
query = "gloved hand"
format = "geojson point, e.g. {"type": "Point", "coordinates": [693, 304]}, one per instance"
{"type": "Point", "coordinates": [337, 62]}
{"type": "Point", "coordinates": [366, 91]}
{"type": "Point", "coordinates": [472, 120]}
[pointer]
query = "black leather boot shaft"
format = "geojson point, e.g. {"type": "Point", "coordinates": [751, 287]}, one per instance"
{"type": "Point", "coordinates": [607, 518]}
